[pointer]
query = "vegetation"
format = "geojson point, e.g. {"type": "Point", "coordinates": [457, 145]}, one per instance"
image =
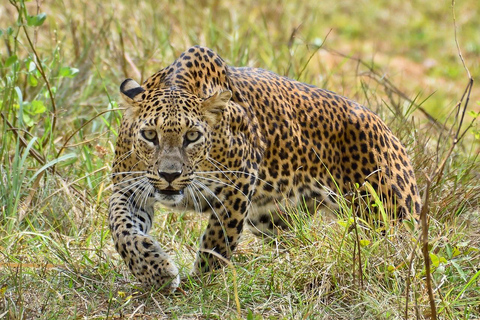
{"type": "Point", "coordinates": [61, 63]}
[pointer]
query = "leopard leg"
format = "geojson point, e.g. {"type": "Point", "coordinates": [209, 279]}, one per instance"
{"type": "Point", "coordinates": [129, 224]}
{"type": "Point", "coordinates": [223, 232]}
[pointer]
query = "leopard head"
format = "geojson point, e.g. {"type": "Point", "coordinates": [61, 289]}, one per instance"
{"type": "Point", "coordinates": [170, 134]}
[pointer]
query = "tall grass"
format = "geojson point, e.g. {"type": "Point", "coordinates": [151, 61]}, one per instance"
{"type": "Point", "coordinates": [60, 66]}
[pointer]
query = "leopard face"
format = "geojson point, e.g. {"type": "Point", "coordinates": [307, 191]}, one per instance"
{"type": "Point", "coordinates": [171, 131]}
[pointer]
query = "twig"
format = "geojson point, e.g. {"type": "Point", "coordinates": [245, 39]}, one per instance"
{"type": "Point", "coordinates": [426, 256]}
{"type": "Point", "coordinates": [81, 127]}
{"type": "Point", "coordinates": [313, 54]}
{"type": "Point", "coordinates": [440, 168]}
{"type": "Point", "coordinates": [456, 41]}
{"type": "Point", "coordinates": [34, 153]}
{"type": "Point", "coordinates": [38, 63]}
{"type": "Point", "coordinates": [37, 156]}
{"type": "Point", "coordinates": [360, 271]}
{"type": "Point", "coordinates": [23, 209]}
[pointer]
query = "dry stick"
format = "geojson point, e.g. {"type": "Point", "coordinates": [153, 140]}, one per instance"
{"type": "Point", "coordinates": [353, 262]}
{"type": "Point", "coordinates": [38, 63]}
{"type": "Point", "coordinates": [474, 119]}
{"type": "Point", "coordinates": [81, 127]}
{"type": "Point", "coordinates": [439, 171]}
{"type": "Point", "coordinates": [426, 256]}
{"type": "Point", "coordinates": [359, 251]}
{"type": "Point", "coordinates": [37, 156]}
{"type": "Point", "coordinates": [439, 174]}
{"type": "Point", "coordinates": [22, 210]}
{"type": "Point", "coordinates": [34, 153]}
{"type": "Point", "coordinates": [456, 41]}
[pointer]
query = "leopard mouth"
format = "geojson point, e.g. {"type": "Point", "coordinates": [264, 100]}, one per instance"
{"type": "Point", "coordinates": [169, 197]}
{"type": "Point", "coordinates": [171, 192]}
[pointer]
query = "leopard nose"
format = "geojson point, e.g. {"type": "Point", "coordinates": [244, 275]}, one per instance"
{"type": "Point", "coordinates": [170, 176]}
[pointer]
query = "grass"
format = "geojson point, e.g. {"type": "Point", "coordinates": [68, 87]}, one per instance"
{"type": "Point", "coordinates": [59, 77]}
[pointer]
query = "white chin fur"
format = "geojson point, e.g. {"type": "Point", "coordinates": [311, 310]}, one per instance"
{"type": "Point", "coordinates": [168, 200]}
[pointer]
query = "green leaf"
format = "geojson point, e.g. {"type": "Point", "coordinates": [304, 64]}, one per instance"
{"type": "Point", "coordinates": [27, 120]}
{"type": "Point", "coordinates": [345, 223]}
{"type": "Point", "coordinates": [455, 252]}
{"type": "Point", "coordinates": [35, 21]}
{"type": "Point", "coordinates": [9, 31]}
{"type": "Point", "coordinates": [472, 249]}
{"type": "Point", "coordinates": [460, 270]}
{"type": "Point", "coordinates": [32, 81]}
{"type": "Point", "coordinates": [31, 66]}
{"type": "Point", "coordinates": [20, 104]}
{"type": "Point", "coordinates": [435, 260]}
{"type": "Point", "coordinates": [473, 114]}
{"type": "Point", "coordinates": [11, 60]}
{"type": "Point", "coordinates": [471, 282]}
{"type": "Point", "coordinates": [364, 243]}
{"type": "Point", "coordinates": [46, 94]}
{"type": "Point", "coordinates": [68, 72]}
{"type": "Point", "coordinates": [37, 107]}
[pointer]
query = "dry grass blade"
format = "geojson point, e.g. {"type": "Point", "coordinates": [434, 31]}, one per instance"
{"type": "Point", "coordinates": [234, 272]}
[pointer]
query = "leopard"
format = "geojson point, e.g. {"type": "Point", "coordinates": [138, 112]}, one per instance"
{"type": "Point", "coordinates": [238, 144]}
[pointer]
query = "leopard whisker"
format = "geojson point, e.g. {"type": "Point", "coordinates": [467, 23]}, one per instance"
{"type": "Point", "coordinates": [250, 201]}
{"type": "Point", "coordinates": [122, 158]}
{"type": "Point", "coordinates": [196, 203]}
{"type": "Point", "coordinates": [210, 160]}
{"type": "Point", "coordinates": [236, 171]}
{"type": "Point", "coordinates": [194, 184]}
{"type": "Point", "coordinates": [107, 177]}
{"type": "Point", "coordinates": [220, 164]}
{"type": "Point", "coordinates": [147, 192]}
{"type": "Point", "coordinates": [127, 188]}
{"type": "Point", "coordinates": [123, 182]}
{"type": "Point", "coordinates": [222, 183]}
{"type": "Point", "coordinates": [137, 195]}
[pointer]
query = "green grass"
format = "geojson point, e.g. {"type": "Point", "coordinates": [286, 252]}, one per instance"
{"type": "Point", "coordinates": [59, 121]}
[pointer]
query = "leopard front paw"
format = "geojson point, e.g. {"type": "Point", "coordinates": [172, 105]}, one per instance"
{"type": "Point", "coordinates": [151, 265]}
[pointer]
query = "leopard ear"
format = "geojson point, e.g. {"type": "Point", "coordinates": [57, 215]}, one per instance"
{"type": "Point", "coordinates": [213, 106]}
{"type": "Point", "coordinates": [131, 91]}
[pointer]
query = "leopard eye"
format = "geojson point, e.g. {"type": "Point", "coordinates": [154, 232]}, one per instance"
{"type": "Point", "coordinates": [192, 136]}
{"type": "Point", "coordinates": [149, 135]}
